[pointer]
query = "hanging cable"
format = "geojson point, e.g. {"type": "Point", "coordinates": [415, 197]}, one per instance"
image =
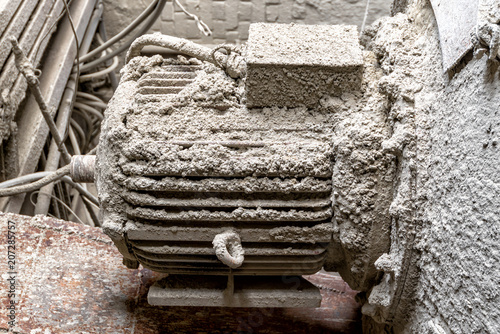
{"type": "Point", "coordinates": [78, 129]}
{"type": "Point", "coordinates": [202, 26]}
{"type": "Point", "coordinates": [61, 202]}
{"type": "Point", "coordinates": [106, 71]}
{"type": "Point", "coordinates": [147, 24]}
{"type": "Point", "coordinates": [96, 104]}
{"type": "Point", "coordinates": [81, 190]}
{"type": "Point", "coordinates": [88, 96]}
{"type": "Point", "coordinates": [24, 179]}
{"type": "Point", "coordinates": [122, 33]}
{"type": "Point", "coordinates": [70, 19]}
{"type": "Point", "coordinates": [89, 109]}
{"type": "Point", "coordinates": [54, 176]}
{"type": "Point", "coordinates": [365, 17]}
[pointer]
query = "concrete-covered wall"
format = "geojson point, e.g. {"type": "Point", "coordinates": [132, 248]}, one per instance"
{"type": "Point", "coordinates": [459, 174]}
{"type": "Point", "coordinates": [442, 274]}
{"type": "Point", "coordinates": [229, 20]}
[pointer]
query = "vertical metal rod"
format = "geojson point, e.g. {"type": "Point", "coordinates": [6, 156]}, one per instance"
{"type": "Point", "coordinates": [64, 115]}
{"type": "Point", "coordinates": [44, 198]}
{"type": "Point", "coordinates": [26, 68]}
{"type": "Point", "coordinates": [230, 284]}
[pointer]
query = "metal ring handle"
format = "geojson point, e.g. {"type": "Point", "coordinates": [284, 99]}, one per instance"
{"type": "Point", "coordinates": [228, 249]}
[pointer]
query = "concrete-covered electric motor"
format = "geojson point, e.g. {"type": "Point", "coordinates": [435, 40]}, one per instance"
{"type": "Point", "coordinates": [202, 174]}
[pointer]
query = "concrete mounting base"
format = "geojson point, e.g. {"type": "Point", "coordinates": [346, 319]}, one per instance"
{"type": "Point", "coordinates": [249, 291]}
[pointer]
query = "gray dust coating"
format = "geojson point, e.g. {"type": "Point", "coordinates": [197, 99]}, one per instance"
{"type": "Point", "coordinates": [185, 142]}
{"type": "Point", "coordinates": [442, 273]}
{"type": "Point", "coordinates": [341, 137]}
{"type": "Point", "coordinates": [292, 65]}
{"type": "Point", "coordinates": [414, 171]}
{"type": "Point", "coordinates": [303, 45]}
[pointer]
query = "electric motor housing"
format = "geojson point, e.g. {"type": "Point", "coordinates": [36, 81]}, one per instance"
{"type": "Point", "coordinates": [182, 160]}
{"type": "Point", "coordinates": [200, 173]}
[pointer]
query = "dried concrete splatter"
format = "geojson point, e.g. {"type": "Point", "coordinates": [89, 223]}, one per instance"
{"type": "Point", "coordinates": [444, 232]}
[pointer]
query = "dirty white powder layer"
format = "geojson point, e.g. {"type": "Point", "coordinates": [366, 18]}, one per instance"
{"type": "Point", "coordinates": [146, 136]}
{"type": "Point", "coordinates": [340, 140]}
{"type": "Point", "coordinates": [442, 273]}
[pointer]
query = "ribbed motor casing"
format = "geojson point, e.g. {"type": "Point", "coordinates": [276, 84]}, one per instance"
{"type": "Point", "coordinates": [207, 165]}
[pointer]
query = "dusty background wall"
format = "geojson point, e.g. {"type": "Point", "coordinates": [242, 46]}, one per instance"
{"type": "Point", "coordinates": [442, 275]}
{"type": "Point", "coordinates": [229, 19]}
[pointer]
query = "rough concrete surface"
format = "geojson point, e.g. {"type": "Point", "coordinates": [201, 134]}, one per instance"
{"type": "Point", "coordinates": [292, 65]}
{"type": "Point", "coordinates": [441, 274]}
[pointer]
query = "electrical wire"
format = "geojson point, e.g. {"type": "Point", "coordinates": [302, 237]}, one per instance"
{"type": "Point", "coordinates": [54, 176]}
{"type": "Point", "coordinates": [61, 202]}
{"type": "Point", "coordinates": [202, 26]}
{"type": "Point", "coordinates": [112, 76]}
{"type": "Point", "coordinates": [79, 131]}
{"type": "Point", "coordinates": [74, 201]}
{"type": "Point", "coordinates": [28, 178]}
{"type": "Point", "coordinates": [89, 109]}
{"type": "Point", "coordinates": [81, 190]}
{"type": "Point", "coordinates": [74, 141]}
{"type": "Point", "coordinates": [106, 71]}
{"type": "Point", "coordinates": [96, 104]}
{"type": "Point", "coordinates": [88, 96]}
{"type": "Point", "coordinates": [89, 126]}
{"type": "Point", "coordinates": [24, 179]}
{"type": "Point", "coordinates": [70, 19]}
{"type": "Point", "coordinates": [49, 31]}
{"type": "Point", "coordinates": [147, 24]}
{"type": "Point", "coordinates": [366, 16]}
{"type": "Point", "coordinates": [91, 212]}
{"type": "Point", "coordinates": [121, 34]}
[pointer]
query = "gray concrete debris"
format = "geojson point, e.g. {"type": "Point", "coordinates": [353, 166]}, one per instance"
{"type": "Point", "coordinates": [444, 251]}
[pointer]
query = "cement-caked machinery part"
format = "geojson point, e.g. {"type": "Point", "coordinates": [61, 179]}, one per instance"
{"type": "Point", "coordinates": [221, 165]}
